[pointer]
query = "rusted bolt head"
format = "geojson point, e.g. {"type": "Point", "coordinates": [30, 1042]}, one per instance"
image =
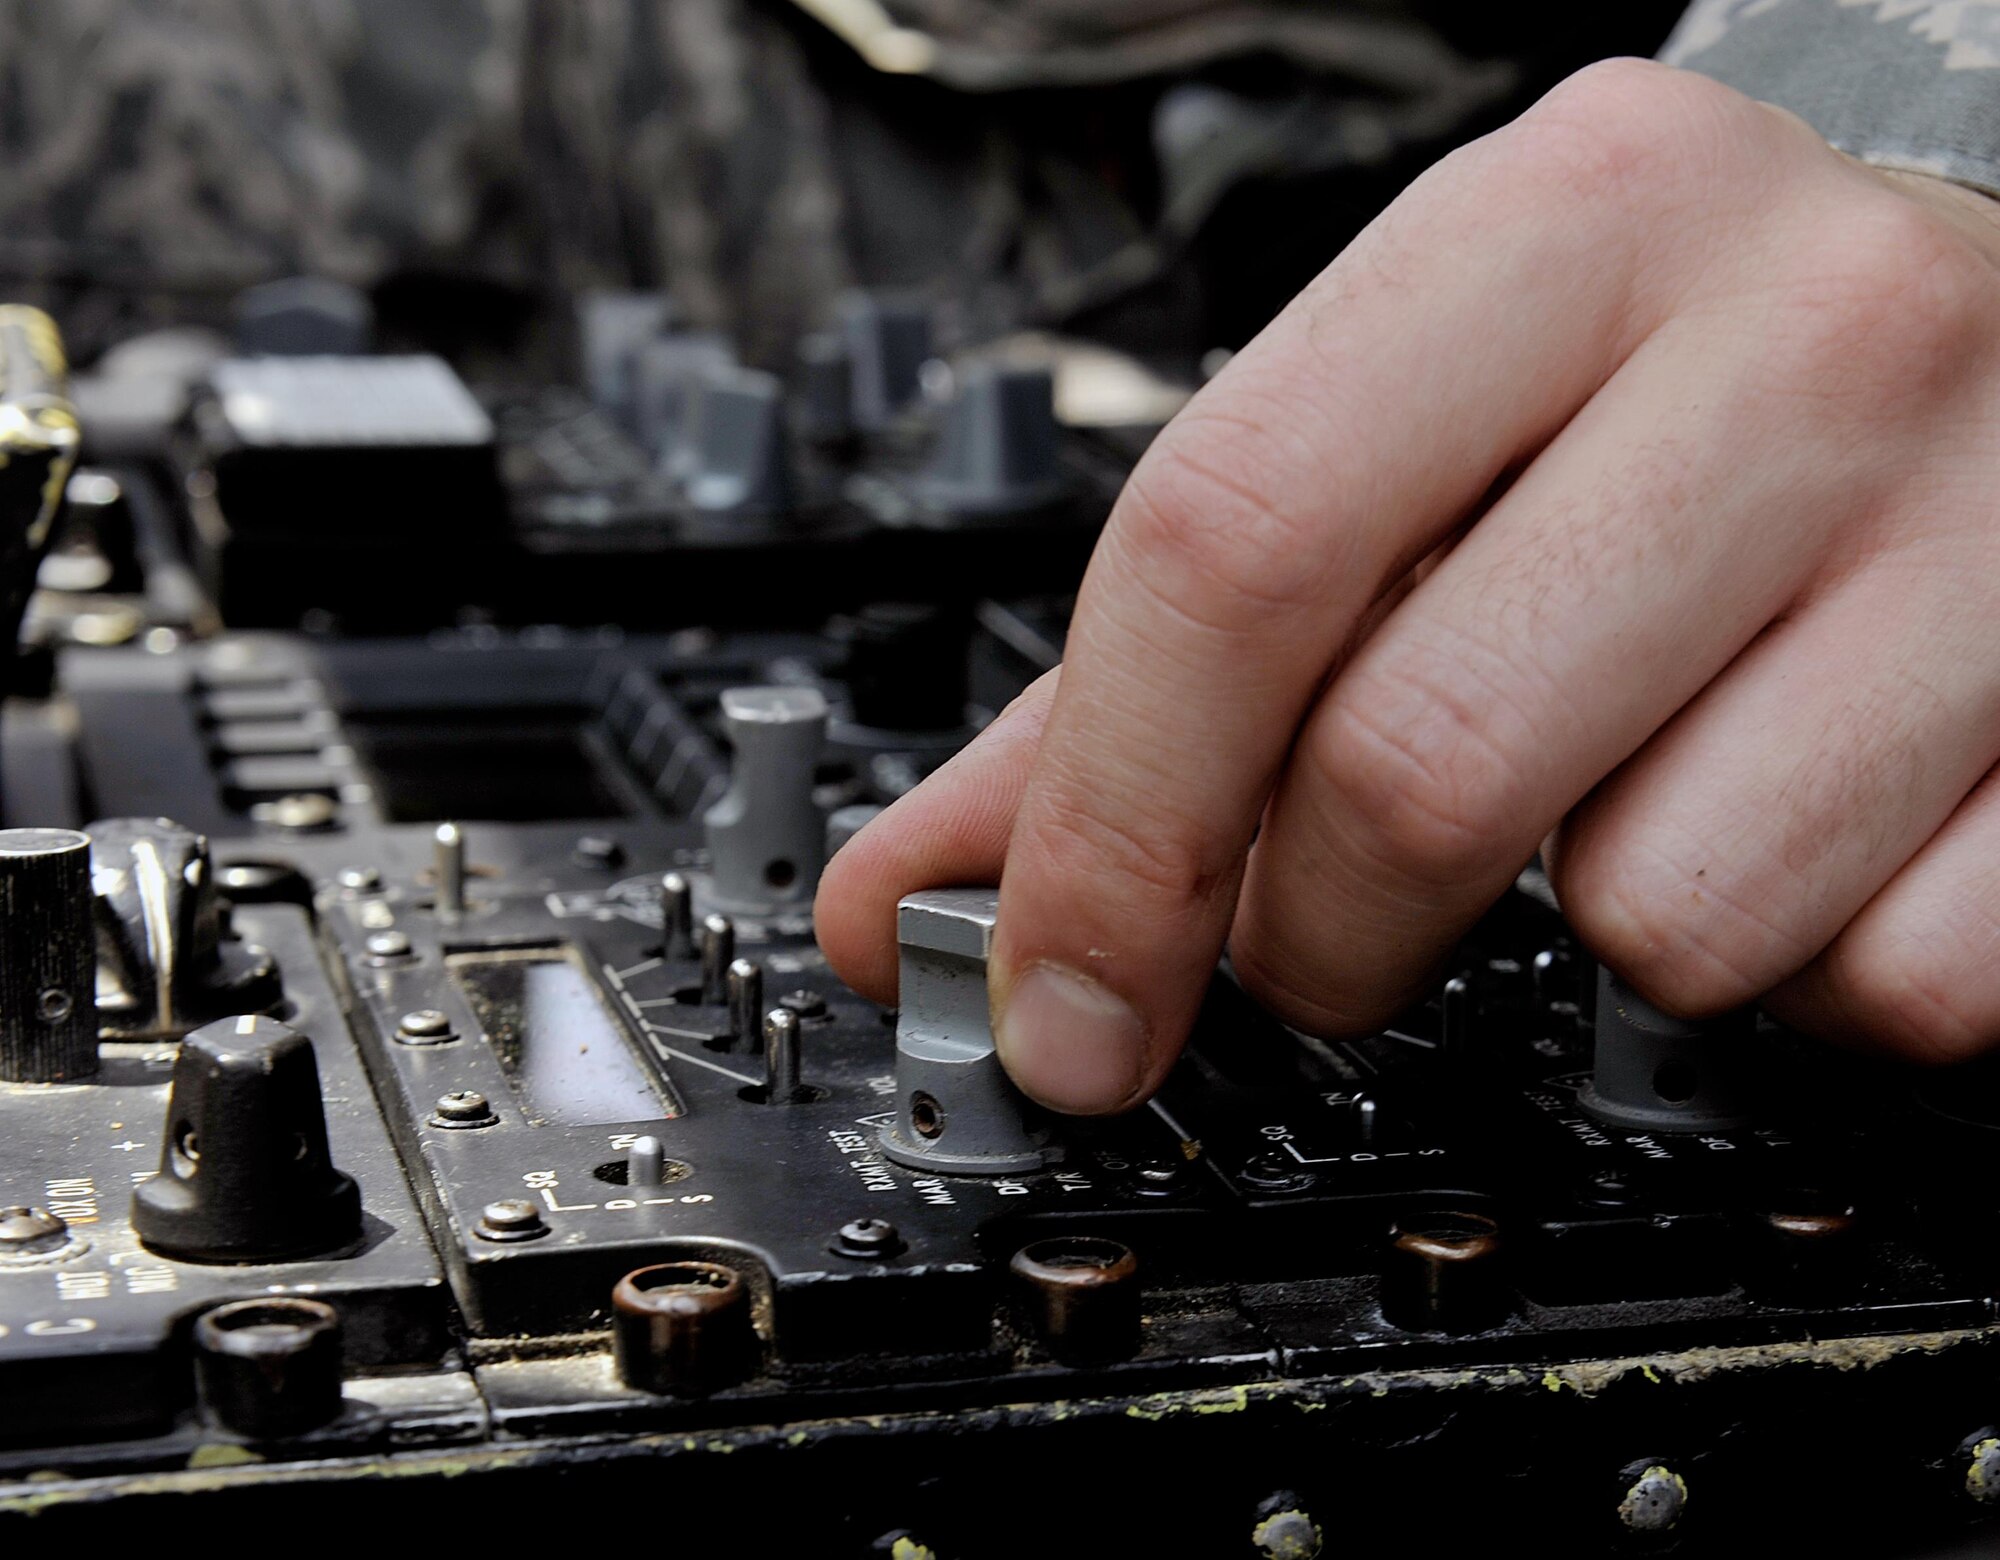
{"type": "Point", "coordinates": [1080, 1293]}
{"type": "Point", "coordinates": [682, 1328]}
{"type": "Point", "coordinates": [1443, 1272]}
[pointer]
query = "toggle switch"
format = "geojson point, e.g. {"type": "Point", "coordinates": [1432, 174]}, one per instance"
{"type": "Point", "coordinates": [163, 965]}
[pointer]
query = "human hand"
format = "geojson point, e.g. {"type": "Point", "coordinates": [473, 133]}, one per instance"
{"type": "Point", "coordinates": [1629, 485]}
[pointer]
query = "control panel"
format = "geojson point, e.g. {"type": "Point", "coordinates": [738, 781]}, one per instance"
{"type": "Point", "coordinates": [423, 1099]}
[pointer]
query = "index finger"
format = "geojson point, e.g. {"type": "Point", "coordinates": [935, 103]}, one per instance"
{"type": "Point", "coordinates": [1450, 341]}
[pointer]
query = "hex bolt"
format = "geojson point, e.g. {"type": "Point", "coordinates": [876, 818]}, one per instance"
{"type": "Point", "coordinates": [269, 1368]}
{"type": "Point", "coordinates": [677, 916]}
{"type": "Point", "coordinates": [1443, 1272]}
{"type": "Point", "coordinates": [424, 1026]}
{"type": "Point", "coordinates": [31, 1232]}
{"type": "Point", "coordinates": [462, 1109]}
{"type": "Point", "coordinates": [387, 948]}
{"type": "Point", "coordinates": [718, 952]}
{"type": "Point", "coordinates": [867, 1240]}
{"type": "Point", "coordinates": [449, 871]}
{"type": "Point", "coordinates": [682, 1328]}
{"type": "Point", "coordinates": [509, 1220]}
{"type": "Point", "coordinates": [1080, 1294]}
{"type": "Point", "coordinates": [1654, 1499]}
{"type": "Point", "coordinates": [745, 985]}
{"type": "Point", "coordinates": [781, 1056]}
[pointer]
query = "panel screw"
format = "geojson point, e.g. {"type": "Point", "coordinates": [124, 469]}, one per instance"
{"type": "Point", "coordinates": [359, 880]}
{"type": "Point", "coordinates": [866, 1239]}
{"type": "Point", "coordinates": [598, 850]}
{"type": "Point", "coordinates": [426, 1026]}
{"type": "Point", "coordinates": [1608, 1189]}
{"type": "Point", "coordinates": [31, 1232]}
{"type": "Point", "coordinates": [387, 947]}
{"type": "Point", "coordinates": [462, 1108]}
{"type": "Point", "coordinates": [1273, 1172]}
{"type": "Point", "coordinates": [511, 1219]}
{"type": "Point", "coordinates": [1655, 1497]}
{"type": "Point", "coordinates": [306, 813]}
{"type": "Point", "coordinates": [1158, 1177]}
{"type": "Point", "coordinates": [807, 1004]}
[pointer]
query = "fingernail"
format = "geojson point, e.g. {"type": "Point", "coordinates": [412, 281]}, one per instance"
{"type": "Point", "coordinates": [1071, 1042]}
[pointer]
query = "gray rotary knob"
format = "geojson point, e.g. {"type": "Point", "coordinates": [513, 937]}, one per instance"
{"type": "Point", "coordinates": [956, 1109]}
{"type": "Point", "coordinates": [767, 836]}
{"type": "Point", "coordinates": [1656, 1073]}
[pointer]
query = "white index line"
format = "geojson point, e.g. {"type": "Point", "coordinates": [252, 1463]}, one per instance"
{"type": "Point", "coordinates": [702, 1061]}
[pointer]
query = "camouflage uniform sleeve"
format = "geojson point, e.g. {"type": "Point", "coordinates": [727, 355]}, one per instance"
{"type": "Point", "coordinates": [1910, 84]}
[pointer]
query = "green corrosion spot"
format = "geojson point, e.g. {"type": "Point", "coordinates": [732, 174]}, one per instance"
{"type": "Point", "coordinates": [221, 1455]}
{"type": "Point", "coordinates": [1982, 1474]}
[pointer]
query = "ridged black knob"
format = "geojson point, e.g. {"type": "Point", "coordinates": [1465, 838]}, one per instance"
{"type": "Point", "coordinates": [48, 957]}
{"type": "Point", "coordinates": [246, 1174]}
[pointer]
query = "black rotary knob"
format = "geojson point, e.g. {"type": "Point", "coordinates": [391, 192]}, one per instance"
{"type": "Point", "coordinates": [246, 1174]}
{"type": "Point", "coordinates": [48, 957]}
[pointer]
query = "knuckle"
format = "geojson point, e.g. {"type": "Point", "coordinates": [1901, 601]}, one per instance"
{"type": "Point", "coordinates": [1905, 993]}
{"type": "Point", "coordinates": [1312, 1006]}
{"type": "Point", "coordinates": [1130, 853]}
{"type": "Point", "coordinates": [1680, 941]}
{"type": "Point", "coordinates": [1617, 131]}
{"type": "Point", "coordinates": [1417, 768]}
{"type": "Point", "coordinates": [1890, 299]}
{"type": "Point", "coordinates": [1207, 518]}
